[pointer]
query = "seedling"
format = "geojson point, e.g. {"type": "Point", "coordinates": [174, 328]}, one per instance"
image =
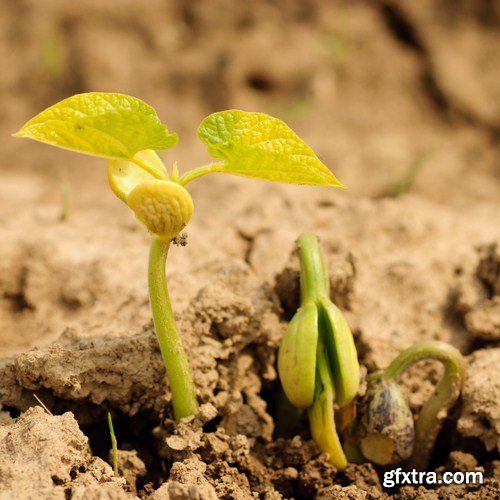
{"type": "Point", "coordinates": [317, 361]}
{"type": "Point", "coordinates": [319, 371]}
{"type": "Point", "coordinates": [384, 431]}
{"type": "Point", "coordinates": [127, 132]}
{"type": "Point", "coordinates": [114, 445]}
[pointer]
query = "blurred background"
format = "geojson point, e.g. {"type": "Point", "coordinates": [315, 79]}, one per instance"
{"type": "Point", "coordinates": [377, 87]}
{"type": "Point", "coordinates": [401, 99]}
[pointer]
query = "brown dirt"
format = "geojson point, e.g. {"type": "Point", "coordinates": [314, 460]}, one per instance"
{"type": "Point", "coordinates": [478, 296]}
{"type": "Point", "coordinates": [374, 87]}
{"type": "Point", "coordinates": [480, 416]}
{"type": "Point", "coordinates": [44, 456]}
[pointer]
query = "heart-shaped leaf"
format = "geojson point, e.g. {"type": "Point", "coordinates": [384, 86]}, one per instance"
{"type": "Point", "coordinates": [109, 125]}
{"type": "Point", "coordinates": [262, 147]}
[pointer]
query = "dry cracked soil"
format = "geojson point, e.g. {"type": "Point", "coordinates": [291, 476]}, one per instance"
{"type": "Point", "coordinates": [399, 98]}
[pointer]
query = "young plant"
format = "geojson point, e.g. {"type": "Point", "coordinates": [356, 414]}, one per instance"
{"type": "Point", "coordinates": [319, 371]}
{"type": "Point", "coordinates": [317, 361]}
{"type": "Point", "coordinates": [384, 428]}
{"type": "Point", "coordinates": [127, 132]}
{"type": "Point", "coordinates": [114, 445]}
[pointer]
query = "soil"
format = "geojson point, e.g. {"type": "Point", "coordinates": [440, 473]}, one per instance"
{"type": "Point", "coordinates": [379, 89]}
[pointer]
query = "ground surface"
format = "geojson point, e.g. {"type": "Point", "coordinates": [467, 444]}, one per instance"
{"type": "Point", "coordinates": [376, 88]}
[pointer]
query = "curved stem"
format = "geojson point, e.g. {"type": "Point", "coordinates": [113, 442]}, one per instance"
{"type": "Point", "coordinates": [172, 351]}
{"type": "Point", "coordinates": [435, 410]}
{"type": "Point", "coordinates": [313, 277]}
{"type": "Point", "coordinates": [196, 173]}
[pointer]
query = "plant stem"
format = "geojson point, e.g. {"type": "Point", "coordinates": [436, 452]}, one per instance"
{"type": "Point", "coordinates": [114, 445]}
{"type": "Point", "coordinates": [172, 350]}
{"type": "Point", "coordinates": [435, 410]}
{"type": "Point", "coordinates": [313, 277]}
{"type": "Point", "coordinates": [196, 173]}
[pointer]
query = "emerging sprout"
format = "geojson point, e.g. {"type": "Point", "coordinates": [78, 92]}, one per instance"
{"type": "Point", "coordinates": [114, 445]}
{"type": "Point", "coordinates": [385, 430]}
{"type": "Point", "coordinates": [319, 371]}
{"type": "Point", "coordinates": [384, 427]}
{"type": "Point", "coordinates": [127, 132]}
{"type": "Point", "coordinates": [317, 361]}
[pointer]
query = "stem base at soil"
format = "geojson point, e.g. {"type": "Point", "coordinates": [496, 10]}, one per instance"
{"type": "Point", "coordinates": [172, 350]}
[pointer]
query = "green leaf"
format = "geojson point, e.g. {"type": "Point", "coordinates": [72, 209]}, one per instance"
{"type": "Point", "coordinates": [260, 146]}
{"type": "Point", "coordinates": [100, 124]}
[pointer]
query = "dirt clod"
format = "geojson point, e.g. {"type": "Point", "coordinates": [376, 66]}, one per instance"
{"type": "Point", "coordinates": [480, 415]}
{"type": "Point", "coordinates": [43, 456]}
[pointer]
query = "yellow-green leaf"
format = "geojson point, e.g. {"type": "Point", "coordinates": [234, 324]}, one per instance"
{"type": "Point", "coordinates": [101, 124]}
{"type": "Point", "coordinates": [260, 146]}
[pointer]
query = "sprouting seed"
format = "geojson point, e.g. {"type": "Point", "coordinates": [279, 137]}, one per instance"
{"type": "Point", "coordinates": [127, 132]}
{"type": "Point", "coordinates": [319, 372]}
{"type": "Point", "coordinates": [317, 361]}
{"type": "Point", "coordinates": [384, 428]}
